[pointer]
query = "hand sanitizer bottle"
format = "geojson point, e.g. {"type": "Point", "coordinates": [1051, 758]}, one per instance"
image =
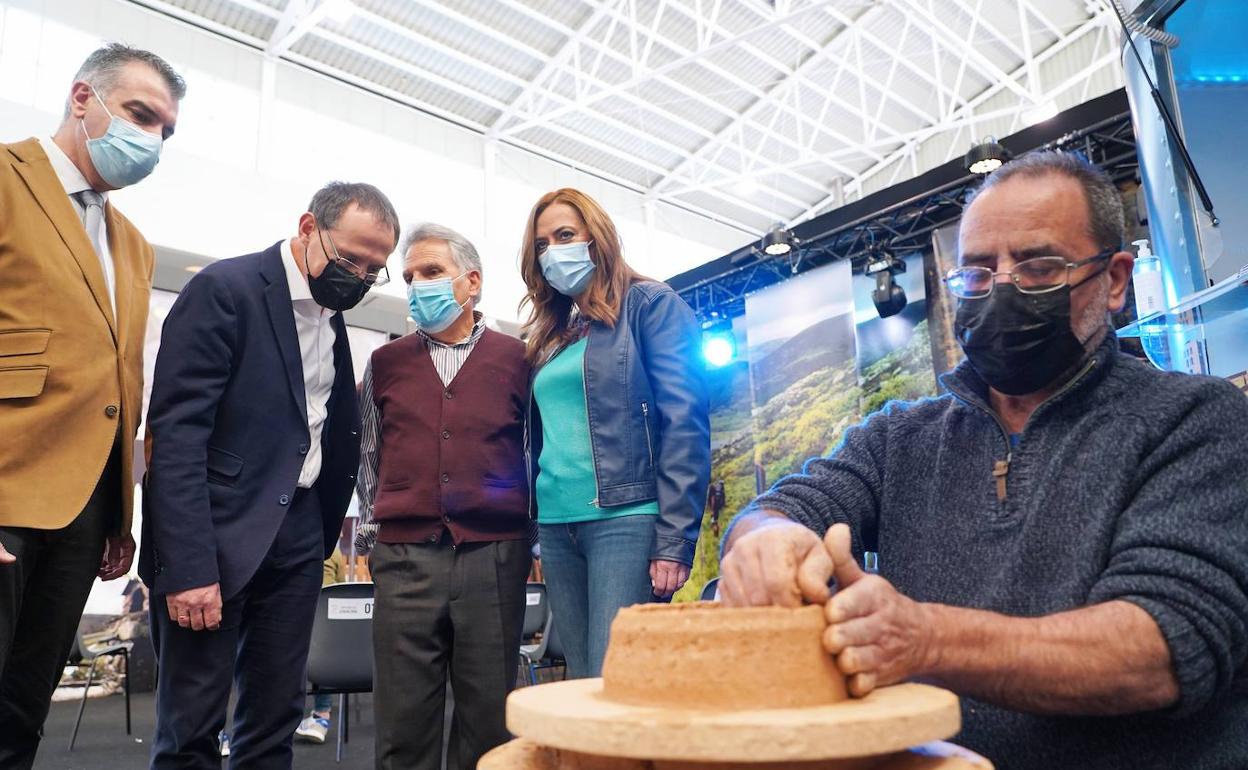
{"type": "Point", "coordinates": [1150, 294]}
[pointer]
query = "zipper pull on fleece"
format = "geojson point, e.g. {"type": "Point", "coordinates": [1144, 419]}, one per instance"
{"type": "Point", "coordinates": [1001, 469]}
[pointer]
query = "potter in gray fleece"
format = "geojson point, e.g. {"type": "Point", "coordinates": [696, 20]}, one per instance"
{"type": "Point", "coordinates": [1075, 569]}
{"type": "Point", "coordinates": [1129, 486]}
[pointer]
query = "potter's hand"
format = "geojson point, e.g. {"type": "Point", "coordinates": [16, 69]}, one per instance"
{"type": "Point", "coordinates": [878, 636]}
{"type": "Point", "coordinates": [778, 562]}
{"type": "Point", "coordinates": [6, 557]}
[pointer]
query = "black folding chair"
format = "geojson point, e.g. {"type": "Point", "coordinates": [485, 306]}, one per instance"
{"type": "Point", "coordinates": [553, 654]}
{"type": "Point", "coordinates": [537, 618]}
{"type": "Point", "coordinates": [340, 661]}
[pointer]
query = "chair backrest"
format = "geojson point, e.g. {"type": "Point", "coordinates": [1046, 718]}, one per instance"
{"type": "Point", "coordinates": [536, 609]}
{"type": "Point", "coordinates": [341, 656]}
{"type": "Point", "coordinates": [710, 591]}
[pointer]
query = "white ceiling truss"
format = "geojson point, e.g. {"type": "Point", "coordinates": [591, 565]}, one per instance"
{"type": "Point", "coordinates": [750, 112]}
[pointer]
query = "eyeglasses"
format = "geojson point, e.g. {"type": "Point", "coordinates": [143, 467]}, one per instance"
{"type": "Point", "coordinates": [373, 276]}
{"type": "Point", "coordinates": [1031, 276]}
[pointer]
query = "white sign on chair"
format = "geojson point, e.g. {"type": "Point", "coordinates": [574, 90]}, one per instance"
{"type": "Point", "coordinates": [350, 609]}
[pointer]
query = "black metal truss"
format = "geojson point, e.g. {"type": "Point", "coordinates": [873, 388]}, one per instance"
{"type": "Point", "coordinates": [904, 227]}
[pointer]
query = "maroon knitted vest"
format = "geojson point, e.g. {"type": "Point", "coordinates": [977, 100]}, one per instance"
{"type": "Point", "coordinates": [452, 458]}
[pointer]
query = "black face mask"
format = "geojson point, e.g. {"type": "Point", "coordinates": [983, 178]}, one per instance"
{"type": "Point", "coordinates": [1017, 342]}
{"type": "Point", "coordinates": [336, 288]}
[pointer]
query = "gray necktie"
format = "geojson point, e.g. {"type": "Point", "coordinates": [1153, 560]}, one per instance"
{"type": "Point", "coordinates": [93, 202]}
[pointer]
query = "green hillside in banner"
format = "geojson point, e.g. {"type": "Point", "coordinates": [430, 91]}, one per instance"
{"type": "Point", "coordinates": [806, 419]}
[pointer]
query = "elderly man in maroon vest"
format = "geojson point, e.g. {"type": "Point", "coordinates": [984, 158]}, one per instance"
{"type": "Point", "coordinates": [444, 501]}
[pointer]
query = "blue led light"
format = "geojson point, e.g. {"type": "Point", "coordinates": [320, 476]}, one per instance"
{"type": "Point", "coordinates": [718, 349]}
{"type": "Point", "coordinates": [1219, 77]}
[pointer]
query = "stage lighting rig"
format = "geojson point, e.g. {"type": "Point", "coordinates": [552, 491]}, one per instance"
{"type": "Point", "coordinates": [779, 241]}
{"type": "Point", "coordinates": [889, 298]}
{"type": "Point", "coordinates": [987, 157]}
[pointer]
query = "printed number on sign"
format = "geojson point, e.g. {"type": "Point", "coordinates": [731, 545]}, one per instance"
{"type": "Point", "coordinates": [350, 609]}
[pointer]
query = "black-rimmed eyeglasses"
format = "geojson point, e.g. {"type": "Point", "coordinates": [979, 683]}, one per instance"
{"type": "Point", "coordinates": [373, 276]}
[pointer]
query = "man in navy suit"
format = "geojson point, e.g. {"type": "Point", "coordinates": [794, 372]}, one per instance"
{"type": "Point", "coordinates": [254, 445]}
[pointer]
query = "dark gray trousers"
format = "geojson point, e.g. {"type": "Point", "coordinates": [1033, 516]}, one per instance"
{"type": "Point", "coordinates": [445, 612]}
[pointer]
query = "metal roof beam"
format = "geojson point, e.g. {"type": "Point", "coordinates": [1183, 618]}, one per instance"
{"type": "Point", "coordinates": [1034, 10]}
{"type": "Point", "coordinates": [962, 47]}
{"type": "Point", "coordinates": [685, 56]}
{"type": "Point", "coordinates": [701, 98]}
{"type": "Point", "coordinates": [824, 50]}
{"type": "Point", "coordinates": [551, 66]}
{"type": "Point", "coordinates": [727, 131]}
{"type": "Point", "coordinates": [298, 19]}
{"type": "Point", "coordinates": [666, 80]}
{"type": "Point", "coordinates": [875, 40]}
{"type": "Point", "coordinates": [992, 29]}
{"type": "Point", "coordinates": [1090, 24]}
{"type": "Point", "coordinates": [515, 80]}
{"type": "Point", "coordinates": [906, 140]}
{"type": "Point", "coordinates": [855, 26]}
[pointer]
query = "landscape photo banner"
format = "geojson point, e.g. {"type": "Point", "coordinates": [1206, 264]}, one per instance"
{"type": "Point", "coordinates": [894, 354]}
{"type": "Point", "coordinates": [813, 359]}
{"type": "Point", "coordinates": [803, 369]}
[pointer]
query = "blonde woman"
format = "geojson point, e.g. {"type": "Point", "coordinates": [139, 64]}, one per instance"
{"type": "Point", "coordinates": [618, 430]}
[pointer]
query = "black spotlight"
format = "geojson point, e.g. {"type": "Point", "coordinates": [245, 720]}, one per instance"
{"type": "Point", "coordinates": [987, 157]}
{"type": "Point", "coordinates": [888, 297]}
{"type": "Point", "coordinates": [778, 241]}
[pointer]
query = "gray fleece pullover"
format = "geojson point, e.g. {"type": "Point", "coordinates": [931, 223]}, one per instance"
{"type": "Point", "coordinates": [1130, 484]}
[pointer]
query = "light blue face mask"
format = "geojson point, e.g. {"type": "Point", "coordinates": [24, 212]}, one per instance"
{"type": "Point", "coordinates": [567, 267]}
{"type": "Point", "coordinates": [125, 154]}
{"type": "Point", "coordinates": [432, 304]}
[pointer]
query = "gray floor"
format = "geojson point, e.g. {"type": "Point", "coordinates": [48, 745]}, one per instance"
{"type": "Point", "coordinates": [103, 743]}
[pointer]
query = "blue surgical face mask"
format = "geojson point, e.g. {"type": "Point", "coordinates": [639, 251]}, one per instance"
{"type": "Point", "coordinates": [432, 304]}
{"type": "Point", "coordinates": [125, 154]}
{"type": "Point", "coordinates": [567, 267]}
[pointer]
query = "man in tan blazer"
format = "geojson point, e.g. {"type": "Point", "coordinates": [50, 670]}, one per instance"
{"type": "Point", "coordinates": [76, 280]}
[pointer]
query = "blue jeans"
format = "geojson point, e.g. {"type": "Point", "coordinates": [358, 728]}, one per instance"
{"type": "Point", "coordinates": [322, 703]}
{"type": "Point", "coordinates": [592, 569]}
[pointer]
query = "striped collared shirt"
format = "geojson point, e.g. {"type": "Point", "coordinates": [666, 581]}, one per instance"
{"type": "Point", "coordinates": [449, 359]}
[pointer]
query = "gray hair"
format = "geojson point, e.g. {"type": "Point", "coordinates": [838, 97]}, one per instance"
{"type": "Point", "coordinates": [462, 251]}
{"type": "Point", "coordinates": [102, 68]}
{"type": "Point", "coordinates": [333, 199]}
{"type": "Point", "coordinates": [1106, 222]}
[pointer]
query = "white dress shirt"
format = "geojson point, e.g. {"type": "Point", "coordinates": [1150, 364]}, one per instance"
{"type": "Point", "coordinates": [74, 182]}
{"type": "Point", "coordinates": [316, 349]}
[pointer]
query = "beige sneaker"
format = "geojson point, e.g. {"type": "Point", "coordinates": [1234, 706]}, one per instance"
{"type": "Point", "coordinates": [313, 729]}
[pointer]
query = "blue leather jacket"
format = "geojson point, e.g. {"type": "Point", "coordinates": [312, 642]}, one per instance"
{"type": "Point", "coordinates": [649, 423]}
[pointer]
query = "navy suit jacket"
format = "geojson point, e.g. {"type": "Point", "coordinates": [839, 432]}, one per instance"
{"type": "Point", "coordinates": [228, 429]}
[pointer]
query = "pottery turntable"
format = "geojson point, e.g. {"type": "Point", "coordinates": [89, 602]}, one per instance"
{"type": "Point", "coordinates": [702, 686]}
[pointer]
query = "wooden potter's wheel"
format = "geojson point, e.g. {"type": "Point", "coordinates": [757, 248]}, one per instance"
{"type": "Point", "coordinates": [524, 754]}
{"type": "Point", "coordinates": [702, 686]}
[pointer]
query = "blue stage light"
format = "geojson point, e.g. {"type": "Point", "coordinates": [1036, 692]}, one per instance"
{"type": "Point", "coordinates": [718, 349]}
